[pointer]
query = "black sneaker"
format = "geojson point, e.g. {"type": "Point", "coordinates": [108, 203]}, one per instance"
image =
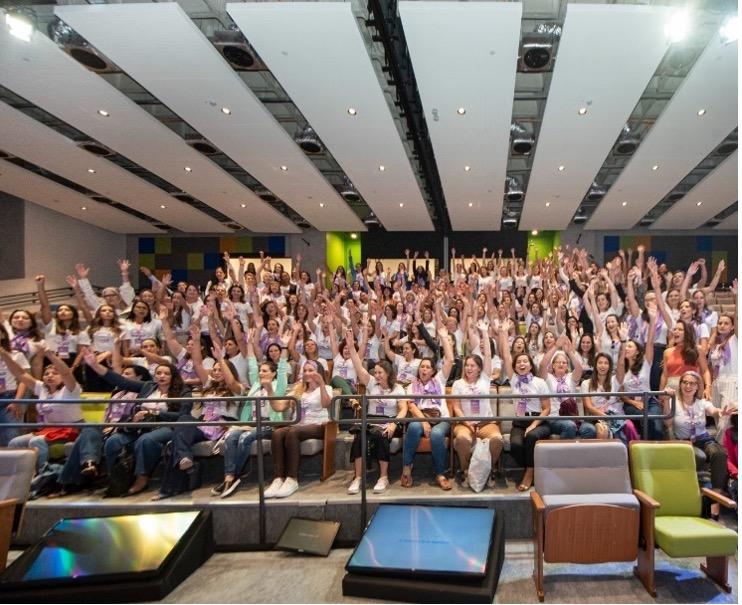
{"type": "Point", "coordinates": [230, 487]}
{"type": "Point", "coordinates": [217, 491]}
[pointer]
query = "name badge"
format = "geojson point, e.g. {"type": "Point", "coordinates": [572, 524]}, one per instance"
{"type": "Point", "coordinates": [474, 403]}
{"type": "Point", "coordinates": [380, 409]}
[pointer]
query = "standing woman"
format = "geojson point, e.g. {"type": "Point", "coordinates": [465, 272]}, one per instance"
{"type": "Point", "coordinates": [379, 436]}
{"type": "Point", "coordinates": [475, 382]}
{"type": "Point", "coordinates": [430, 383]}
{"type": "Point", "coordinates": [314, 397]}
{"type": "Point", "coordinates": [683, 355]}
{"type": "Point", "coordinates": [139, 326]}
{"type": "Point", "coordinates": [603, 380]}
{"type": "Point", "coordinates": [103, 332]}
{"type": "Point", "coordinates": [723, 361]}
{"type": "Point", "coordinates": [58, 383]}
{"type": "Point", "coordinates": [10, 388]}
{"type": "Point", "coordinates": [25, 337]}
{"type": "Point", "coordinates": [533, 404]}
{"type": "Point", "coordinates": [147, 443]}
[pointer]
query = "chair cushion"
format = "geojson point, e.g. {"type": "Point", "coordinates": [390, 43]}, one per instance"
{"type": "Point", "coordinates": [395, 445]}
{"type": "Point", "coordinates": [309, 447]}
{"type": "Point", "coordinates": [561, 500]}
{"type": "Point", "coordinates": [694, 537]}
{"type": "Point", "coordinates": [203, 449]}
{"type": "Point", "coordinates": [17, 467]}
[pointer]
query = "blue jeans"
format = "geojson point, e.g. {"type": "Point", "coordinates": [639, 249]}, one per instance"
{"type": "Point", "coordinates": [438, 434]}
{"type": "Point", "coordinates": [87, 448]}
{"type": "Point", "coordinates": [147, 448]}
{"type": "Point", "coordinates": [567, 429]}
{"type": "Point", "coordinates": [654, 426]}
{"type": "Point", "coordinates": [6, 417]}
{"type": "Point", "coordinates": [237, 447]}
{"type": "Point", "coordinates": [184, 437]}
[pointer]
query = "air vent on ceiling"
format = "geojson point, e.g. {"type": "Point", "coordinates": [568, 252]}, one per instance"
{"type": "Point", "coordinates": [580, 216]}
{"type": "Point", "coordinates": [537, 48]}
{"type": "Point", "coordinates": [202, 146]}
{"type": "Point", "coordinates": [727, 146]}
{"type": "Point", "coordinates": [513, 189]}
{"type": "Point", "coordinates": [183, 197]}
{"type": "Point", "coordinates": [95, 148]}
{"type": "Point", "coordinates": [596, 192]}
{"type": "Point", "coordinates": [371, 220]}
{"type": "Point", "coordinates": [75, 45]}
{"type": "Point", "coordinates": [647, 220]}
{"type": "Point", "coordinates": [266, 195]}
{"type": "Point", "coordinates": [521, 141]}
{"type": "Point", "coordinates": [303, 224]}
{"type": "Point", "coordinates": [237, 52]}
{"type": "Point", "coordinates": [627, 142]}
{"type": "Point", "coordinates": [349, 192]}
{"type": "Point", "coordinates": [308, 140]}
{"type": "Point", "coordinates": [674, 196]}
{"type": "Point", "coordinates": [235, 226]}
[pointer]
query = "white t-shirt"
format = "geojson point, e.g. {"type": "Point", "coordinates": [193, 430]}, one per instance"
{"type": "Point", "coordinates": [344, 369]}
{"type": "Point", "coordinates": [65, 344]}
{"type": "Point", "coordinates": [373, 345]}
{"type": "Point", "coordinates": [103, 340]}
{"type": "Point", "coordinates": [406, 370]}
{"type": "Point", "coordinates": [312, 411]}
{"type": "Point", "coordinates": [605, 403]}
{"type": "Point", "coordinates": [530, 391]}
{"type": "Point", "coordinates": [239, 362]}
{"type": "Point", "coordinates": [137, 333]}
{"type": "Point", "coordinates": [610, 347]}
{"type": "Point", "coordinates": [151, 406]}
{"type": "Point", "coordinates": [8, 382]}
{"type": "Point", "coordinates": [637, 383]}
{"type": "Point", "coordinates": [690, 421]}
{"type": "Point", "coordinates": [28, 346]}
{"type": "Point", "coordinates": [435, 386]}
{"type": "Point", "coordinates": [58, 412]}
{"type": "Point", "coordinates": [470, 404]}
{"type": "Point", "coordinates": [383, 407]}
{"type": "Point", "coordinates": [723, 360]}
{"type": "Point", "coordinates": [565, 385]}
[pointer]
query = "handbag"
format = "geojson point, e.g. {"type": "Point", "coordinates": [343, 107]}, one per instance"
{"type": "Point", "coordinates": [122, 474]}
{"type": "Point", "coordinates": [568, 407]}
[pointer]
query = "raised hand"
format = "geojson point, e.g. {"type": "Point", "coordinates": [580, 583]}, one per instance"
{"type": "Point", "coordinates": [123, 264]}
{"type": "Point", "coordinates": [167, 280]}
{"type": "Point", "coordinates": [71, 281]}
{"type": "Point", "coordinates": [146, 271]}
{"type": "Point", "coordinates": [82, 271]}
{"type": "Point", "coordinates": [163, 313]}
{"type": "Point", "coordinates": [623, 331]}
{"type": "Point", "coordinates": [217, 352]}
{"type": "Point", "coordinates": [40, 279]}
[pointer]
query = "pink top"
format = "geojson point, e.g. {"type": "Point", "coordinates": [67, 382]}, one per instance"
{"type": "Point", "coordinates": [731, 448]}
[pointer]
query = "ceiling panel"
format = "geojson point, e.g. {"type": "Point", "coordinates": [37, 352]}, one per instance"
{"type": "Point", "coordinates": [714, 192]}
{"type": "Point", "coordinates": [176, 63]}
{"type": "Point", "coordinates": [26, 185]}
{"type": "Point", "coordinates": [49, 78]}
{"type": "Point", "coordinates": [30, 140]}
{"type": "Point", "coordinates": [316, 51]}
{"type": "Point", "coordinates": [476, 46]}
{"type": "Point", "coordinates": [583, 78]}
{"type": "Point", "coordinates": [731, 222]}
{"type": "Point", "coordinates": [679, 139]}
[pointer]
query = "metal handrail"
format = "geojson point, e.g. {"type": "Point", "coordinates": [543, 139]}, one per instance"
{"type": "Point", "coordinates": [364, 420]}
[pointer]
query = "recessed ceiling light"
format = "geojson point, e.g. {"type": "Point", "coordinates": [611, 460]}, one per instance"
{"type": "Point", "coordinates": [381, 168]}
{"type": "Point", "coordinates": [582, 111]}
{"type": "Point", "coordinates": [471, 204]}
{"type": "Point", "coordinates": [548, 204]}
{"type": "Point", "coordinates": [226, 111]}
{"type": "Point", "coordinates": [353, 236]}
{"type": "Point", "coordinates": [699, 203]}
{"type": "Point", "coordinates": [84, 208]}
{"type": "Point", "coordinates": [243, 205]}
{"type": "Point", "coordinates": [284, 168]}
{"type": "Point", "coordinates": [401, 204]}
{"type": "Point", "coordinates": [321, 205]}
{"type": "Point", "coordinates": [701, 112]}
{"type": "Point", "coordinates": [352, 111]}
{"type": "Point", "coordinates": [534, 232]}
{"type": "Point", "coordinates": [561, 168]}
{"type": "Point", "coordinates": [729, 30]}
{"type": "Point", "coordinates": [467, 168]}
{"type": "Point", "coordinates": [624, 203]}
{"type": "Point", "coordinates": [20, 25]}
{"type": "Point", "coordinates": [188, 169]}
{"type": "Point", "coordinates": [103, 112]}
{"type": "Point", "coordinates": [91, 171]}
{"type": "Point", "coordinates": [461, 111]}
{"type": "Point", "coordinates": [655, 167]}
{"type": "Point", "coordinates": [678, 26]}
{"type": "Point", "coordinates": [163, 206]}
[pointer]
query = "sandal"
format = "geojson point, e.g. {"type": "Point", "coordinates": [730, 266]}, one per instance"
{"type": "Point", "coordinates": [406, 480]}
{"type": "Point", "coordinates": [443, 482]}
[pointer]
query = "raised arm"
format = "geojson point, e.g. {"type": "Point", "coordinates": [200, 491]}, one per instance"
{"type": "Point", "coordinates": [64, 370]}
{"type": "Point", "coordinates": [717, 276]}
{"type": "Point", "coordinates": [196, 356]}
{"type": "Point", "coordinates": [46, 311]}
{"type": "Point", "coordinates": [172, 343]}
{"type": "Point", "coordinates": [576, 360]}
{"type": "Point", "coordinates": [18, 372]}
{"type": "Point", "coordinates": [447, 352]}
{"type": "Point", "coordinates": [692, 270]}
{"type": "Point", "coordinates": [361, 372]}
{"type": "Point", "coordinates": [502, 346]}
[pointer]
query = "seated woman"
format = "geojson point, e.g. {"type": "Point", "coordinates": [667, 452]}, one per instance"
{"type": "Point", "coordinates": [314, 397]}
{"type": "Point", "coordinates": [525, 433]}
{"type": "Point", "coordinates": [604, 381]}
{"type": "Point", "coordinates": [475, 382]}
{"type": "Point", "coordinates": [379, 436]}
{"type": "Point", "coordinates": [10, 388]}
{"type": "Point", "coordinates": [689, 423]}
{"type": "Point", "coordinates": [58, 383]}
{"type": "Point", "coordinates": [344, 376]}
{"type": "Point", "coordinates": [723, 361]}
{"type": "Point", "coordinates": [267, 380]}
{"type": "Point", "coordinates": [561, 380]}
{"type": "Point", "coordinates": [147, 442]}
{"type": "Point", "coordinates": [429, 382]}
{"type": "Point", "coordinates": [83, 461]}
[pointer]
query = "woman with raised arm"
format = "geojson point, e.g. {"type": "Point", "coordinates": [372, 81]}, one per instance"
{"type": "Point", "coordinates": [426, 386]}
{"type": "Point", "coordinates": [561, 380]}
{"type": "Point", "coordinates": [344, 375]}
{"type": "Point", "coordinates": [57, 383]}
{"type": "Point", "coordinates": [10, 388]}
{"type": "Point", "coordinates": [723, 359]}
{"type": "Point", "coordinates": [474, 383]}
{"type": "Point", "coordinates": [379, 436]}
{"type": "Point", "coordinates": [533, 404]}
{"type": "Point", "coordinates": [407, 364]}
{"type": "Point", "coordinates": [25, 337]}
{"type": "Point", "coordinates": [683, 354]}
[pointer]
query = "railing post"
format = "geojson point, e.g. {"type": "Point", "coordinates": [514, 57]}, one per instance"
{"type": "Point", "coordinates": [261, 475]}
{"type": "Point", "coordinates": [645, 421]}
{"type": "Point", "coordinates": [364, 444]}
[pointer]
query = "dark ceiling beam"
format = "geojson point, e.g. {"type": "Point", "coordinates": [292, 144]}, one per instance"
{"type": "Point", "coordinates": [389, 27]}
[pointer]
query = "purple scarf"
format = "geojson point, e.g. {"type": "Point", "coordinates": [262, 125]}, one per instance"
{"type": "Point", "coordinates": [19, 343]}
{"type": "Point", "coordinates": [522, 404]}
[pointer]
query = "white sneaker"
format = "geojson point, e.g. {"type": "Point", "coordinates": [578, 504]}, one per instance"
{"type": "Point", "coordinates": [272, 491]}
{"type": "Point", "coordinates": [290, 485]}
{"type": "Point", "coordinates": [381, 485]}
{"type": "Point", "coordinates": [355, 486]}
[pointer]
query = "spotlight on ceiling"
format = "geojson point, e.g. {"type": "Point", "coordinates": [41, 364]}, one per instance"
{"type": "Point", "coordinates": [596, 192]}
{"type": "Point", "coordinates": [647, 220]}
{"type": "Point", "coordinates": [235, 49]}
{"type": "Point", "coordinates": [95, 148]}
{"type": "Point", "coordinates": [513, 189]}
{"type": "Point", "coordinates": [202, 145]}
{"type": "Point", "coordinates": [510, 217]}
{"type": "Point", "coordinates": [521, 141]}
{"type": "Point", "coordinates": [266, 195]}
{"type": "Point", "coordinates": [76, 47]}
{"type": "Point", "coordinates": [349, 192]}
{"type": "Point", "coordinates": [674, 196]}
{"type": "Point", "coordinates": [627, 142]}
{"type": "Point", "coordinates": [580, 216]}
{"type": "Point", "coordinates": [21, 22]}
{"type": "Point", "coordinates": [537, 48]}
{"type": "Point", "coordinates": [678, 26]}
{"type": "Point", "coordinates": [308, 140]}
{"type": "Point", "coordinates": [371, 220]}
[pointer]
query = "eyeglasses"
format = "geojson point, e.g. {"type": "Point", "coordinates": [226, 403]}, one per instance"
{"type": "Point", "coordinates": [689, 383]}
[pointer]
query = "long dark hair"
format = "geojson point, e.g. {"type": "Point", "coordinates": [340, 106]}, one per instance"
{"type": "Point", "coordinates": [594, 386]}
{"type": "Point", "coordinates": [130, 315]}
{"type": "Point", "coordinates": [635, 367]}
{"type": "Point", "coordinates": [391, 372]}
{"type": "Point", "coordinates": [33, 329]}
{"type": "Point", "coordinates": [4, 338]}
{"type": "Point", "coordinates": [689, 351]}
{"type": "Point", "coordinates": [74, 323]}
{"type": "Point", "coordinates": [97, 323]}
{"type": "Point", "coordinates": [177, 387]}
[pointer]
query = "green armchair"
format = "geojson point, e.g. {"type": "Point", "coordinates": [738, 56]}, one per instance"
{"type": "Point", "coordinates": [663, 474]}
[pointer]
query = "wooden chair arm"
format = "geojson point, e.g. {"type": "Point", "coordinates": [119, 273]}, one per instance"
{"type": "Point", "coordinates": [538, 503]}
{"type": "Point", "coordinates": [9, 503]}
{"type": "Point", "coordinates": [717, 497]}
{"type": "Point", "coordinates": [645, 500]}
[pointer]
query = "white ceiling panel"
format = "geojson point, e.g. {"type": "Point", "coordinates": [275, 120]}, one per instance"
{"type": "Point", "coordinates": [45, 75]}
{"type": "Point", "coordinates": [679, 139]}
{"type": "Point", "coordinates": [30, 140]}
{"type": "Point", "coordinates": [470, 62]}
{"type": "Point", "coordinates": [714, 192]}
{"type": "Point", "coordinates": [176, 63]}
{"type": "Point", "coordinates": [595, 38]}
{"type": "Point", "coordinates": [26, 185]}
{"type": "Point", "coordinates": [317, 53]}
{"type": "Point", "coordinates": [731, 222]}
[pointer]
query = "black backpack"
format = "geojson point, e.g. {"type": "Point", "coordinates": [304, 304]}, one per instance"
{"type": "Point", "coordinates": [174, 480]}
{"type": "Point", "coordinates": [122, 474]}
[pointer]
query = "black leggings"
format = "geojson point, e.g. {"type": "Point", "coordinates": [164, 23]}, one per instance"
{"type": "Point", "coordinates": [377, 444]}
{"type": "Point", "coordinates": [521, 445]}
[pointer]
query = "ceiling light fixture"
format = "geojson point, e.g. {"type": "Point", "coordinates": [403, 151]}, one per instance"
{"type": "Point", "coordinates": [461, 111]}
{"type": "Point", "coordinates": [83, 208]}
{"type": "Point", "coordinates": [243, 205]}
{"type": "Point", "coordinates": [701, 112]}
{"type": "Point", "coordinates": [284, 168]}
{"type": "Point", "coordinates": [21, 23]}
{"type": "Point", "coordinates": [655, 167]}
{"type": "Point", "coordinates": [163, 206]}
{"type": "Point", "coordinates": [352, 111]}
{"type": "Point", "coordinates": [353, 236]}
{"type": "Point", "coordinates": [91, 171]}
{"type": "Point", "coordinates": [381, 168]}
{"type": "Point", "coordinates": [321, 205]}
{"type": "Point", "coordinates": [188, 169]}
{"type": "Point", "coordinates": [561, 168]}
{"type": "Point", "coordinates": [729, 31]}
{"type": "Point", "coordinates": [401, 204]}
{"type": "Point", "coordinates": [103, 112]}
{"type": "Point", "coordinates": [548, 204]}
{"type": "Point", "coordinates": [471, 204]}
{"type": "Point", "coordinates": [678, 26]}
{"type": "Point", "coordinates": [624, 203]}
{"type": "Point", "coordinates": [699, 203]}
{"type": "Point", "coordinates": [467, 168]}
{"type": "Point", "coordinates": [534, 232]}
{"type": "Point", "coordinates": [226, 111]}
{"type": "Point", "coordinates": [582, 111]}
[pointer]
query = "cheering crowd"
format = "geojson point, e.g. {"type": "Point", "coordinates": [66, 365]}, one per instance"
{"type": "Point", "coordinates": [556, 325]}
